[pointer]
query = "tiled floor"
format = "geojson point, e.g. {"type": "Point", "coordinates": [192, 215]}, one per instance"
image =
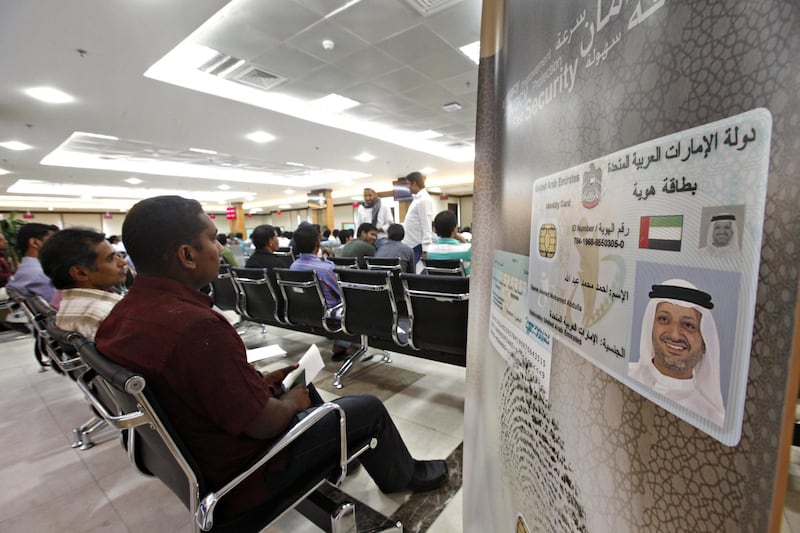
{"type": "Point", "coordinates": [45, 485]}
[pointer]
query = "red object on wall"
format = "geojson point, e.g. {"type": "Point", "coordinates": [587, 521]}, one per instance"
{"type": "Point", "coordinates": [107, 215]}
{"type": "Point", "coordinates": [212, 216]}
{"type": "Point", "coordinates": [249, 215]}
{"type": "Point", "coordinates": [27, 214]}
{"type": "Point", "coordinates": [230, 213]}
{"type": "Point", "coordinates": [443, 197]}
{"type": "Point", "coordinates": [278, 212]}
{"type": "Point", "coordinates": [355, 205]}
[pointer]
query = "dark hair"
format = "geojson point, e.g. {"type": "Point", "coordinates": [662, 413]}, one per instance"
{"type": "Point", "coordinates": [32, 230]}
{"type": "Point", "coordinates": [444, 223]}
{"type": "Point", "coordinates": [222, 239]}
{"type": "Point", "coordinates": [396, 232]}
{"type": "Point", "coordinates": [306, 239]}
{"type": "Point", "coordinates": [326, 233]}
{"type": "Point", "coordinates": [262, 235]}
{"type": "Point", "coordinates": [366, 227]}
{"type": "Point", "coordinates": [68, 248]}
{"type": "Point", "coordinates": [336, 233]}
{"type": "Point", "coordinates": [155, 227]}
{"type": "Point", "coordinates": [112, 239]}
{"type": "Point", "coordinates": [418, 178]}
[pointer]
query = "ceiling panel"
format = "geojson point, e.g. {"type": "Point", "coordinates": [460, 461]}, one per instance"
{"type": "Point", "coordinates": [287, 61]}
{"type": "Point", "coordinates": [277, 20]}
{"type": "Point", "coordinates": [368, 63]}
{"type": "Point", "coordinates": [310, 40]}
{"type": "Point", "coordinates": [402, 79]}
{"type": "Point", "coordinates": [375, 20]}
{"type": "Point", "coordinates": [443, 64]}
{"type": "Point", "coordinates": [458, 25]}
{"type": "Point", "coordinates": [412, 44]}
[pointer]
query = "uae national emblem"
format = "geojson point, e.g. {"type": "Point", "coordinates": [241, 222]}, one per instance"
{"type": "Point", "coordinates": [592, 185]}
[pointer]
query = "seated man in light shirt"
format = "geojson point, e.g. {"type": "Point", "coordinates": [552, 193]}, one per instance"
{"type": "Point", "coordinates": [448, 246]}
{"type": "Point", "coordinates": [29, 279]}
{"type": "Point", "coordinates": [85, 267]}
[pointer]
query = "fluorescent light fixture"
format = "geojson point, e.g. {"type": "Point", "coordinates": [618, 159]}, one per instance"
{"type": "Point", "coordinates": [429, 134]}
{"type": "Point", "coordinates": [435, 190]}
{"type": "Point", "coordinates": [88, 192]}
{"type": "Point", "coordinates": [50, 208]}
{"type": "Point", "coordinates": [472, 51]}
{"type": "Point", "coordinates": [255, 210]}
{"type": "Point", "coordinates": [293, 164]}
{"type": "Point", "coordinates": [15, 145]}
{"type": "Point", "coordinates": [284, 206]}
{"type": "Point", "coordinates": [203, 151]}
{"type": "Point", "coordinates": [223, 187]}
{"type": "Point", "coordinates": [71, 154]}
{"type": "Point", "coordinates": [100, 136]}
{"type": "Point", "coordinates": [334, 103]}
{"type": "Point", "coordinates": [4, 171]}
{"type": "Point", "coordinates": [50, 95]}
{"type": "Point", "coordinates": [260, 136]}
{"type": "Point", "coordinates": [289, 191]}
{"type": "Point", "coordinates": [427, 170]}
{"type": "Point", "coordinates": [364, 157]}
{"type": "Point", "coordinates": [357, 198]}
{"type": "Point", "coordinates": [133, 181]}
{"type": "Point", "coordinates": [451, 106]}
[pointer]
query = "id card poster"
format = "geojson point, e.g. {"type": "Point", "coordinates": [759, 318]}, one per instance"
{"type": "Point", "coordinates": [645, 262]}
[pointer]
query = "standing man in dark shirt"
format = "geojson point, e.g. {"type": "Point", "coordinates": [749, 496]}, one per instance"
{"type": "Point", "coordinates": [224, 410]}
{"type": "Point", "coordinates": [265, 240]}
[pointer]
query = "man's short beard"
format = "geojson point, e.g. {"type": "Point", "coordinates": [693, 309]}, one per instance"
{"type": "Point", "coordinates": [675, 363]}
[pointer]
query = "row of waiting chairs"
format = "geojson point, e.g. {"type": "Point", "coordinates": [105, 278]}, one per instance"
{"type": "Point", "coordinates": [424, 316]}
{"type": "Point", "coordinates": [53, 349]}
{"type": "Point", "coordinates": [120, 399]}
{"type": "Point", "coordinates": [437, 267]}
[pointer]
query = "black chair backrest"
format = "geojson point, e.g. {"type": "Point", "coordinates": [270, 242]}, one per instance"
{"type": "Point", "coordinates": [223, 290]}
{"type": "Point", "coordinates": [261, 301]}
{"type": "Point", "coordinates": [147, 447]}
{"type": "Point", "coordinates": [61, 350]}
{"type": "Point", "coordinates": [369, 304]}
{"type": "Point", "coordinates": [438, 309]}
{"type": "Point", "coordinates": [344, 262]}
{"type": "Point", "coordinates": [383, 263]}
{"type": "Point", "coordinates": [445, 267]}
{"type": "Point", "coordinates": [305, 303]}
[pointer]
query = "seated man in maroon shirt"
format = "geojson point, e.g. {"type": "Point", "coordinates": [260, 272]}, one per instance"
{"type": "Point", "coordinates": [223, 409]}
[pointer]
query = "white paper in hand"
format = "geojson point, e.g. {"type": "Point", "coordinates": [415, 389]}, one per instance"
{"type": "Point", "coordinates": [311, 363]}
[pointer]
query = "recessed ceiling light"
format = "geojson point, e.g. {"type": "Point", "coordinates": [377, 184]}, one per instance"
{"type": "Point", "coordinates": [4, 171]}
{"type": "Point", "coordinates": [334, 103]}
{"type": "Point", "coordinates": [293, 164]}
{"type": "Point", "coordinates": [15, 145]}
{"type": "Point", "coordinates": [289, 191]}
{"type": "Point", "coordinates": [50, 208]}
{"type": "Point", "coordinates": [328, 45]}
{"type": "Point", "coordinates": [203, 151]}
{"type": "Point", "coordinates": [429, 134]}
{"type": "Point", "coordinates": [427, 170]}
{"type": "Point", "coordinates": [284, 206]}
{"type": "Point", "coordinates": [364, 157]}
{"type": "Point", "coordinates": [472, 51]}
{"type": "Point", "coordinates": [223, 187]}
{"type": "Point", "coordinates": [451, 106]}
{"type": "Point", "coordinates": [49, 95]}
{"type": "Point", "coordinates": [133, 181]}
{"type": "Point", "coordinates": [260, 136]}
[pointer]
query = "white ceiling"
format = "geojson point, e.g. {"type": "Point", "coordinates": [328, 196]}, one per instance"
{"type": "Point", "coordinates": [401, 66]}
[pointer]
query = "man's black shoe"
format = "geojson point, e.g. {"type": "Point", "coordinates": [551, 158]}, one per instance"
{"type": "Point", "coordinates": [428, 475]}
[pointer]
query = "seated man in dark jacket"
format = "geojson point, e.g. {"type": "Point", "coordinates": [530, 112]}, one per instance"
{"type": "Point", "coordinates": [265, 240]}
{"type": "Point", "coordinates": [223, 409]}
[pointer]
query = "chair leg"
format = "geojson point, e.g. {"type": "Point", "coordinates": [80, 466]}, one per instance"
{"type": "Point", "coordinates": [347, 366]}
{"type": "Point", "coordinates": [82, 435]}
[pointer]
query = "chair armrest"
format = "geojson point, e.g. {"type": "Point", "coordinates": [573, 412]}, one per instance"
{"type": "Point", "coordinates": [126, 421]}
{"type": "Point", "coordinates": [205, 510]}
